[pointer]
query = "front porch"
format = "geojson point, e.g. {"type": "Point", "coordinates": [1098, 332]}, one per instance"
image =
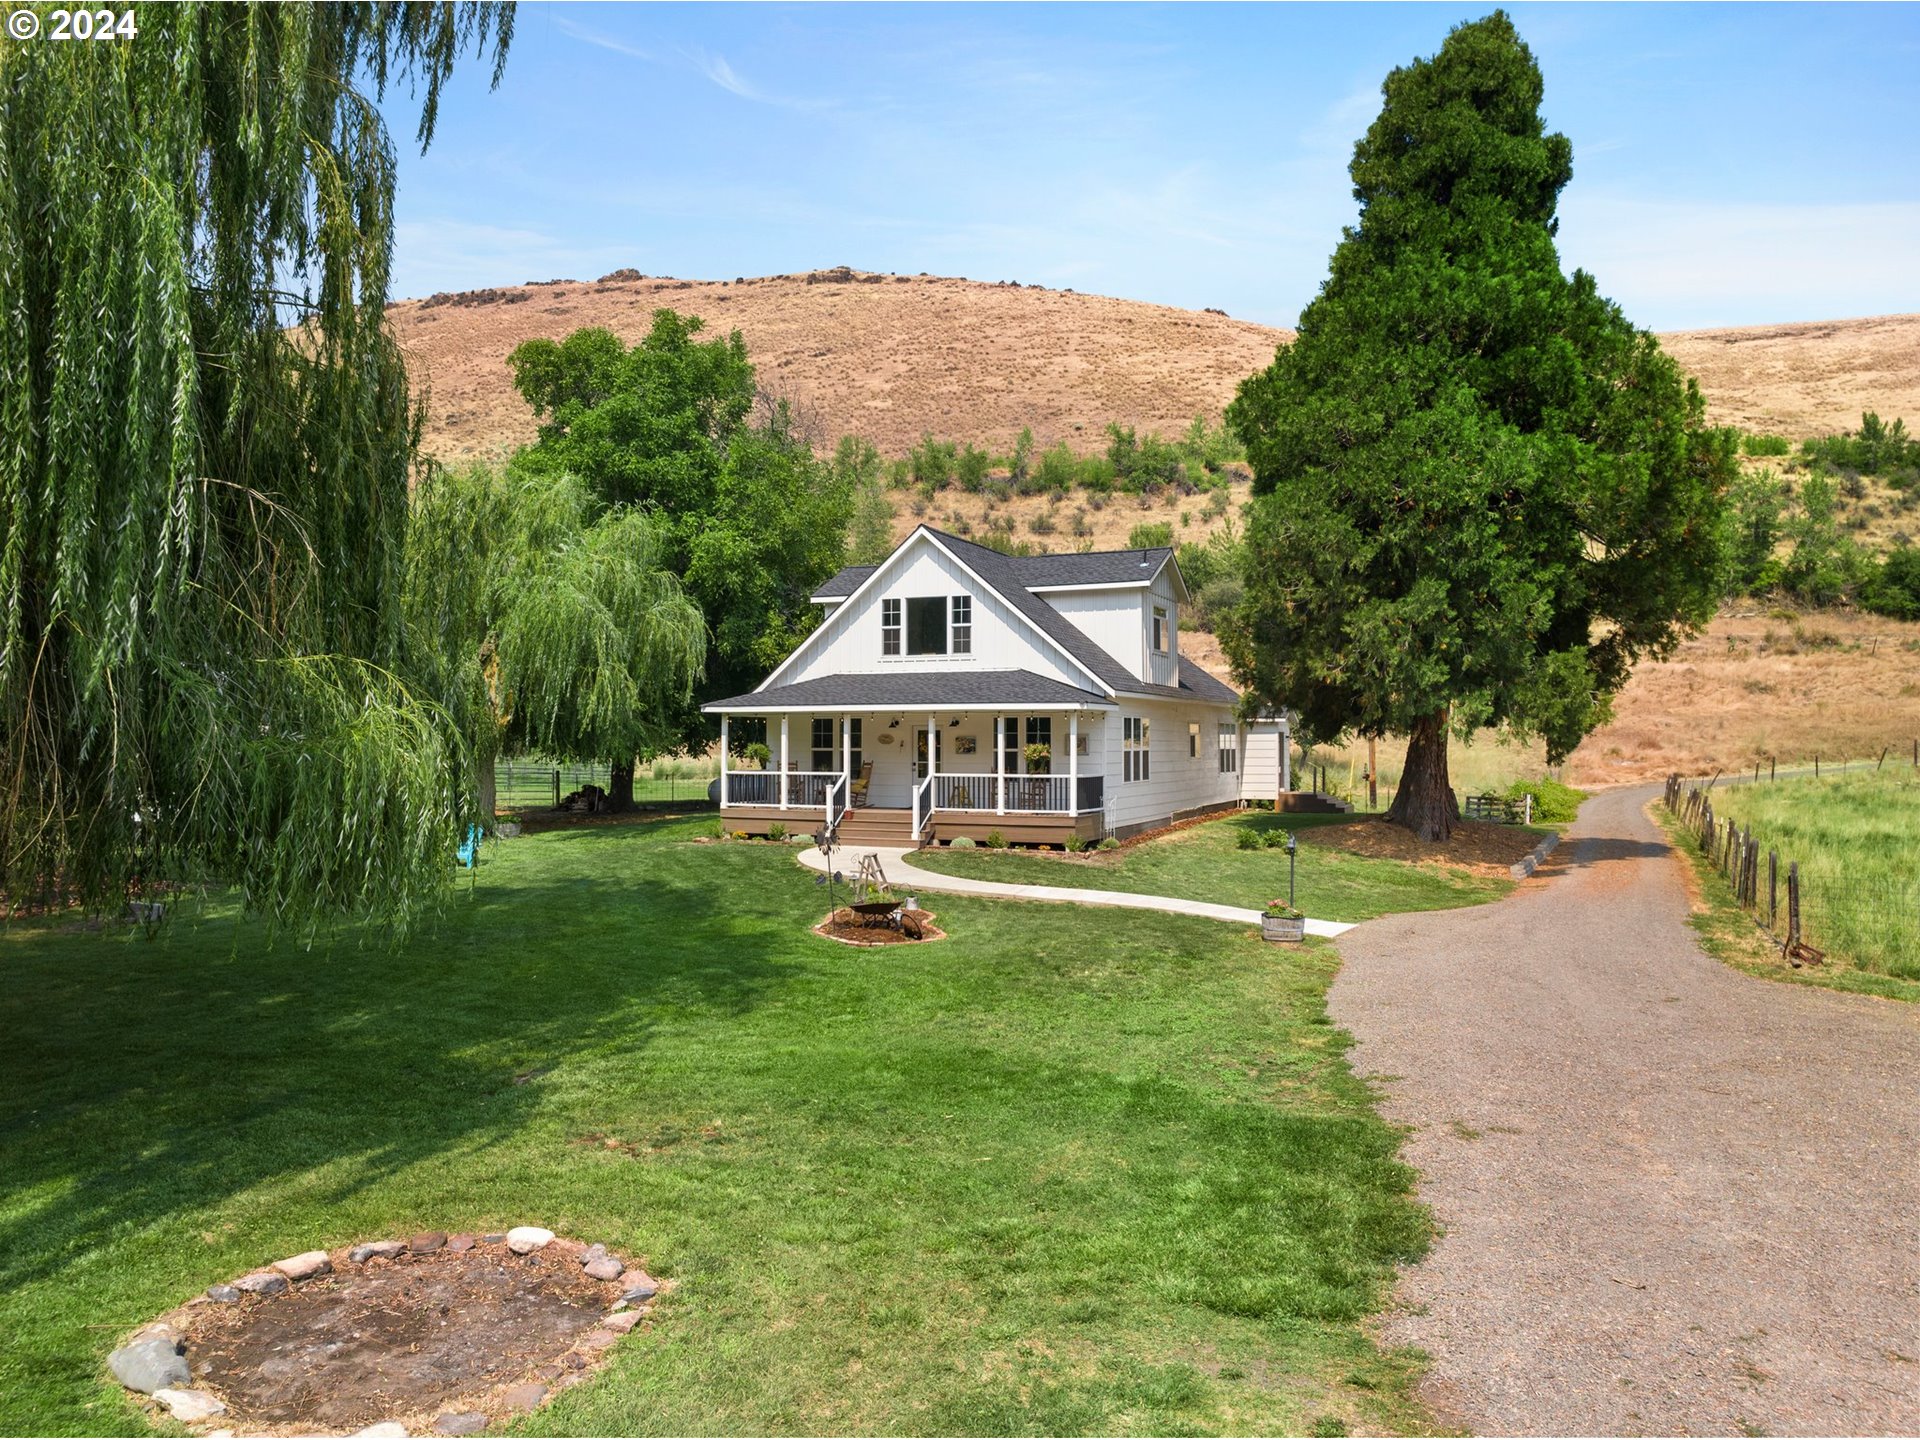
{"type": "Point", "coordinates": [918, 777]}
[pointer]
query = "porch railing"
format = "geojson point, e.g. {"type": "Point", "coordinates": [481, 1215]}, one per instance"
{"type": "Point", "coordinates": [807, 789]}
{"type": "Point", "coordinates": [1026, 794]}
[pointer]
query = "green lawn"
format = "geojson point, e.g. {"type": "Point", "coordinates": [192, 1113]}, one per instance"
{"type": "Point", "coordinates": [1063, 1173]}
{"type": "Point", "coordinates": [1856, 837]}
{"type": "Point", "coordinates": [1204, 862]}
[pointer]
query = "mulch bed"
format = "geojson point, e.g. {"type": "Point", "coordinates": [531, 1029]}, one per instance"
{"type": "Point", "coordinates": [851, 929]}
{"type": "Point", "coordinates": [1476, 845]}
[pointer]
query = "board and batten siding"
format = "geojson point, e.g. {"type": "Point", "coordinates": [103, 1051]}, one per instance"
{"type": "Point", "coordinates": [1161, 669]}
{"type": "Point", "coordinates": [848, 641]}
{"type": "Point", "coordinates": [1175, 783]}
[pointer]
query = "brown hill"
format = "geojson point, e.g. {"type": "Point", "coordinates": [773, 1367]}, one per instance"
{"type": "Point", "coordinates": [887, 357]}
{"type": "Point", "coordinates": [891, 357]}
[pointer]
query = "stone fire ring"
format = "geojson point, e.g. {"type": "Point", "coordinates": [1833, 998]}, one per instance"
{"type": "Point", "coordinates": [479, 1328]}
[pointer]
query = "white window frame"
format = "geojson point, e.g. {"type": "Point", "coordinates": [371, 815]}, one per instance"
{"type": "Point", "coordinates": [892, 627]}
{"type": "Point", "coordinates": [1193, 740]}
{"type": "Point", "coordinates": [1229, 750]}
{"type": "Point", "coordinates": [960, 619]}
{"type": "Point", "coordinates": [1162, 630]}
{"type": "Point", "coordinates": [1135, 742]}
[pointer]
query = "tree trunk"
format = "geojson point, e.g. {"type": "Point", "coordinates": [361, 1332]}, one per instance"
{"type": "Point", "coordinates": [489, 796]}
{"type": "Point", "coordinates": [1424, 803]}
{"type": "Point", "coordinates": [620, 787]}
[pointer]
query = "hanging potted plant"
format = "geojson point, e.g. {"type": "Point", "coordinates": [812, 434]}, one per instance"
{"type": "Point", "coordinates": [757, 755]}
{"type": "Point", "coordinates": [1282, 923]}
{"type": "Point", "coordinates": [1039, 759]}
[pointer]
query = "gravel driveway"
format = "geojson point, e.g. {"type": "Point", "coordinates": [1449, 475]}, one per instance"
{"type": "Point", "coordinates": [1676, 1199]}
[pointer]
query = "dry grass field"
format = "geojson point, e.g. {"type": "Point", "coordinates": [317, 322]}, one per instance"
{"type": "Point", "coordinates": [886, 357]}
{"type": "Point", "coordinates": [891, 357]}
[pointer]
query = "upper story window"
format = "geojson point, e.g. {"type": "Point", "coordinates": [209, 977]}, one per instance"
{"type": "Point", "coordinates": [927, 625]}
{"type": "Point", "coordinates": [963, 624]}
{"type": "Point", "coordinates": [889, 627]}
{"type": "Point", "coordinates": [1162, 632]}
{"type": "Point", "coordinates": [1193, 741]}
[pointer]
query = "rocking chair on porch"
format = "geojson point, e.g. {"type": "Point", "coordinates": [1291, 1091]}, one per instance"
{"type": "Point", "coordinates": [857, 789]}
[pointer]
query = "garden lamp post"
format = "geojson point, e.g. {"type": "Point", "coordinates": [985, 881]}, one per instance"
{"type": "Point", "coordinates": [1292, 845]}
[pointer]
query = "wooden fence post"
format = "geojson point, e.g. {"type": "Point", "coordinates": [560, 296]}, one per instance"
{"type": "Point", "coordinates": [1770, 764]}
{"type": "Point", "coordinates": [1883, 756]}
{"type": "Point", "coordinates": [1793, 904]}
{"type": "Point", "coordinates": [1773, 888]}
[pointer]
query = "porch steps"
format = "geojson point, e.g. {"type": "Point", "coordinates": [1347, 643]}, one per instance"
{"type": "Point", "coordinates": [871, 825]}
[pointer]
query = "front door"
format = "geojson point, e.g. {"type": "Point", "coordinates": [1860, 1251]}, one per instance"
{"type": "Point", "coordinates": [920, 753]}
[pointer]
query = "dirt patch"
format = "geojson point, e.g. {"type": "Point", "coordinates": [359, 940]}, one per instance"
{"type": "Point", "coordinates": [851, 929]}
{"type": "Point", "coordinates": [1475, 845]}
{"type": "Point", "coordinates": [471, 1332]}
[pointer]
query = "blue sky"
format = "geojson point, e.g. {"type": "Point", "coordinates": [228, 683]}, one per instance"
{"type": "Point", "coordinates": [1733, 164]}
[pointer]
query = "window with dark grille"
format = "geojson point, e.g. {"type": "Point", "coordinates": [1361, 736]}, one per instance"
{"type": "Point", "coordinates": [823, 744]}
{"type": "Point", "coordinates": [1229, 750]}
{"type": "Point", "coordinates": [1193, 741]}
{"type": "Point", "coordinates": [854, 758]}
{"type": "Point", "coordinates": [927, 625]}
{"type": "Point", "coordinates": [889, 627]}
{"type": "Point", "coordinates": [963, 624]}
{"type": "Point", "coordinates": [1133, 748]}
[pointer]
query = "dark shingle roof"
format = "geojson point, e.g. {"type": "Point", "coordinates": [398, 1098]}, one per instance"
{"type": "Point", "coordinates": [842, 585]}
{"type": "Point", "coordinates": [1015, 575]}
{"type": "Point", "coordinates": [954, 689]}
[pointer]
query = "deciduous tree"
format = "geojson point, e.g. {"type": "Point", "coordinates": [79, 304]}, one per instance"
{"type": "Point", "coordinates": [205, 443]}
{"type": "Point", "coordinates": [1481, 493]}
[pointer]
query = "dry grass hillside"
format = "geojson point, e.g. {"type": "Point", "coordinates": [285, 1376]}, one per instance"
{"type": "Point", "coordinates": [892, 357]}
{"type": "Point", "coordinates": [886, 357]}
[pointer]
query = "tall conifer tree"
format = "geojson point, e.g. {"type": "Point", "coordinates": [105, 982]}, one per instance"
{"type": "Point", "coordinates": [1481, 493]}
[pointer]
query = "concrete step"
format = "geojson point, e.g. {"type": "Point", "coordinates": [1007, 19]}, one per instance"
{"type": "Point", "coordinates": [1306, 802]}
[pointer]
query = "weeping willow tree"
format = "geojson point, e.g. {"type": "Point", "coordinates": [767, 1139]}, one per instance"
{"type": "Point", "coordinates": [206, 437]}
{"type": "Point", "coordinates": [546, 624]}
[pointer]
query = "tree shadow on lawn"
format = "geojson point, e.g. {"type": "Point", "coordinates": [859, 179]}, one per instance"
{"type": "Point", "coordinates": [147, 1080]}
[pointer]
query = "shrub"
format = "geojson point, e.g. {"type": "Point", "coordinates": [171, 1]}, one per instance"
{"type": "Point", "coordinates": [1081, 525]}
{"type": "Point", "coordinates": [1275, 839]}
{"type": "Point", "coordinates": [1553, 803]}
{"type": "Point", "coordinates": [1766, 444]}
{"type": "Point", "coordinates": [1155, 536]}
{"type": "Point", "coordinates": [961, 842]}
{"type": "Point", "coordinates": [1217, 600]}
{"type": "Point", "coordinates": [1020, 466]}
{"type": "Point", "coordinates": [1109, 843]}
{"type": "Point", "coordinates": [971, 466]}
{"type": "Point", "coordinates": [1042, 524]}
{"type": "Point", "coordinates": [1894, 586]}
{"type": "Point", "coordinates": [1075, 843]}
{"type": "Point", "coordinates": [1247, 839]}
{"type": "Point", "coordinates": [932, 463]}
{"type": "Point", "coordinates": [996, 841]}
{"type": "Point", "coordinates": [1059, 469]}
{"type": "Point", "coordinates": [776, 831]}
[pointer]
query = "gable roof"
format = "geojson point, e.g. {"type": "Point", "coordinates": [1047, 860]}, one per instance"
{"type": "Point", "coordinates": [1013, 578]}
{"type": "Point", "coordinates": [1036, 572]}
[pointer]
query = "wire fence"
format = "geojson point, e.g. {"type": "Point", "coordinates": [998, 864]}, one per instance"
{"type": "Point", "coordinates": [1839, 878]}
{"type": "Point", "coordinates": [543, 785]}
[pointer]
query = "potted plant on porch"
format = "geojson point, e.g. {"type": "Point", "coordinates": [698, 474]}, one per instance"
{"type": "Point", "coordinates": [1281, 922]}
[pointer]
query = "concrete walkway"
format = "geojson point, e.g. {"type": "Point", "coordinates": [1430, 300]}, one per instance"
{"type": "Point", "coordinates": [903, 874]}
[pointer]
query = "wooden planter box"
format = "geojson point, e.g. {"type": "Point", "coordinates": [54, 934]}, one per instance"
{"type": "Point", "coordinates": [1282, 931]}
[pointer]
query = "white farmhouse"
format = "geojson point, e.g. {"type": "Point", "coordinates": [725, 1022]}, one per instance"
{"type": "Point", "coordinates": [952, 690]}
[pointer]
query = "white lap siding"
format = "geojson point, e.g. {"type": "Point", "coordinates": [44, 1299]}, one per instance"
{"type": "Point", "coordinates": [1176, 784]}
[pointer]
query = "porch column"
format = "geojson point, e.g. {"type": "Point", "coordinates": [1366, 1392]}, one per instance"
{"type": "Point", "coordinates": [723, 759]}
{"type": "Point", "coordinates": [846, 762]}
{"type": "Point", "coordinates": [785, 721]}
{"type": "Point", "coordinates": [1286, 757]}
{"type": "Point", "coordinates": [1073, 762]}
{"type": "Point", "coordinates": [999, 765]}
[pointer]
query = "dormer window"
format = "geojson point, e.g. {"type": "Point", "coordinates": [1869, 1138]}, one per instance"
{"type": "Point", "coordinates": [1160, 629]}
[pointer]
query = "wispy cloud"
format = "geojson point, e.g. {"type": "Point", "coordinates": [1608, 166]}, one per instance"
{"type": "Point", "coordinates": [716, 69]}
{"type": "Point", "coordinates": [605, 42]}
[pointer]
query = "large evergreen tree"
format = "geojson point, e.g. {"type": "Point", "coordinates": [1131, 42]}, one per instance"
{"type": "Point", "coordinates": [205, 443]}
{"type": "Point", "coordinates": [749, 519]}
{"type": "Point", "coordinates": [1481, 493]}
